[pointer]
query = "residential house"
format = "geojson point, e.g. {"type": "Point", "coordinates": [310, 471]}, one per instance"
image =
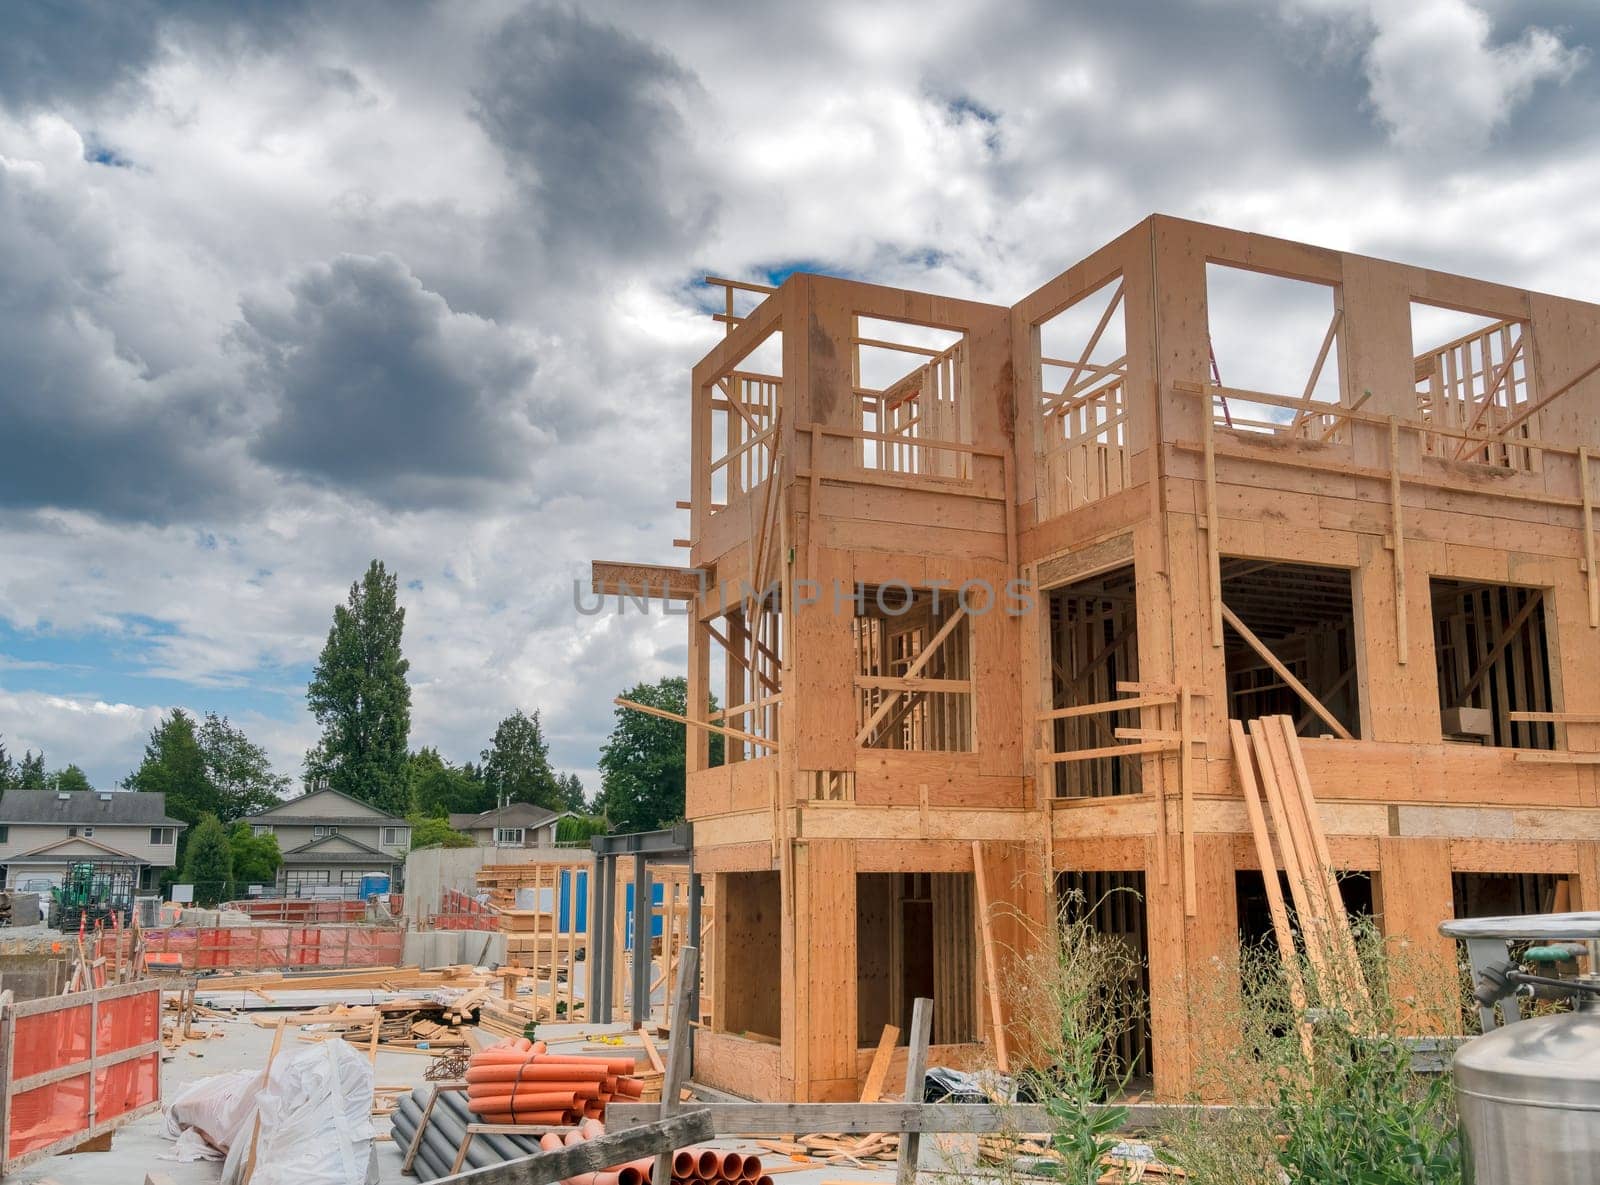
{"type": "Point", "coordinates": [42, 832]}
{"type": "Point", "coordinates": [330, 841]}
{"type": "Point", "coordinates": [515, 825]}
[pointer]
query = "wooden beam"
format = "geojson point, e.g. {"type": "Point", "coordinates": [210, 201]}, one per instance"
{"type": "Point", "coordinates": [735, 733]}
{"type": "Point", "coordinates": [609, 578]}
{"type": "Point", "coordinates": [916, 1074]}
{"type": "Point", "coordinates": [1398, 542]}
{"type": "Point", "coordinates": [1588, 538]}
{"type": "Point", "coordinates": [1285, 674]}
{"type": "Point", "coordinates": [991, 969]}
{"type": "Point", "coordinates": [771, 1119]}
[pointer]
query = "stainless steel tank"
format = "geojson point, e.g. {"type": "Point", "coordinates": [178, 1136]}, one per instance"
{"type": "Point", "coordinates": [1529, 1092]}
{"type": "Point", "coordinates": [1529, 1097]}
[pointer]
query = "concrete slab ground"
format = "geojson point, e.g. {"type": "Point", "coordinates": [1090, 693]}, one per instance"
{"type": "Point", "coordinates": [140, 1148]}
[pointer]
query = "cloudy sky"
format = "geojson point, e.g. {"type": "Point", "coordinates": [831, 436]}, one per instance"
{"type": "Point", "coordinates": [286, 286]}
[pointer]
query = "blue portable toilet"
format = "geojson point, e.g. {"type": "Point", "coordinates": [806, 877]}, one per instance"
{"type": "Point", "coordinates": [374, 884]}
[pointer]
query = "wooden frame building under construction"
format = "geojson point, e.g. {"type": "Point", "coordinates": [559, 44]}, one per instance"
{"type": "Point", "coordinates": [980, 591]}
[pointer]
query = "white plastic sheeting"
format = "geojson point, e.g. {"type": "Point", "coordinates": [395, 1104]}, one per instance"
{"type": "Point", "coordinates": [205, 1116]}
{"type": "Point", "coordinates": [316, 1121]}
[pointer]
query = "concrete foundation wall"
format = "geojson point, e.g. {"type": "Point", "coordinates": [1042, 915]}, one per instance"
{"type": "Point", "coordinates": [430, 871]}
{"type": "Point", "coordinates": [444, 948]}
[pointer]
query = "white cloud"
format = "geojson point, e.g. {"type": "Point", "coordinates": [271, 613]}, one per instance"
{"type": "Point", "coordinates": [92, 734]}
{"type": "Point", "coordinates": [1437, 80]}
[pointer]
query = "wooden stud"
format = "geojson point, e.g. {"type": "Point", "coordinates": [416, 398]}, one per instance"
{"type": "Point", "coordinates": [1397, 545]}
{"type": "Point", "coordinates": [991, 970]}
{"type": "Point", "coordinates": [1592, 577]}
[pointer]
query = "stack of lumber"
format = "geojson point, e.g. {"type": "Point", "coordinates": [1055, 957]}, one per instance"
{"type": "Point", "coordinates": [420, 1023]}
{"type": "Point", "coordinates": [854, 1151]}
{"type": "Point", "coordinates": [521, 1081]}
{"type": "Point", "coordinates": [1271, 766]}
{"type": "Point", "coordinates": [387, 979]}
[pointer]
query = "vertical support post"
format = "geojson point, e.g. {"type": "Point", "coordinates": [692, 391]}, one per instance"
{"type": "Point", "coordinates": [1213, 559]}
{"type": "Point", "coordinates": [1588, 537]}
{"type": "Point", "coordinates": [8, 1032]}
{"type": "Point", "coordinates": [1186, 797]}
{"type": "Point", "coordinates": [1398, 545]}
{"type": "Point", "coordinates": [641, 940]}
{"type": "Point", "coordinates": [680, 1037]}
{"type": "Point", "coordinates": [601, 934]}
{"type": "Point", "coordinates": [693, 939]}
{"type": "Point", "coordinates": [916, 1072]}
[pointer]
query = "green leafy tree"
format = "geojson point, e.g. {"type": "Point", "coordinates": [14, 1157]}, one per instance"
{"type": "Point", "coordinates": [8, 770]}
{"type": "Point", "coordinates": [570, 789]}
{"type": "Point", "coordinates": [439, 788]}
{"type": "Point", "coordinates": [642, 763]}
{"type": "Point", "coordinates": [256, 858]}
{"type": "Point", "coordinates": [516, 765]}
{"type": "Point", "coordinates": [175, 765]}
{"type": "Point", "coordinates": [208, 866]}
{"type": "Point", "coordinates": [429, 831]}
{"type": "Point", "coordinates": [71, 778]}
{"type": "Point", "coordinates": [239, 770]}
{"type": "Point", "coordinates": [30, 772]}
{"type": "Point", "coordinates": [360, 697]}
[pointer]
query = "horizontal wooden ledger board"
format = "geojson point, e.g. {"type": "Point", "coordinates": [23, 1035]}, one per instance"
{"type": "Point", "coordinates": [863, 1118]}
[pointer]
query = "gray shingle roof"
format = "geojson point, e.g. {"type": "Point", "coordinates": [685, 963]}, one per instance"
{"type": "Point", "coordinates": [104, 807]}
{"type": "Point", "coordinates": [515, 814]}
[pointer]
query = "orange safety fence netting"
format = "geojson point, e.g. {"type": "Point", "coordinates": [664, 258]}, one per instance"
{"type": "Point", "coordinates": [60, 1039]}
{"type": "Point", "coordinates": [261, 948]}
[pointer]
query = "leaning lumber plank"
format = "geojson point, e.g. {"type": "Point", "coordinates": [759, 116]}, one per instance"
{"type": "Point", "coordinates": [1343, 939]}
{"type": "Point", "coordinates": [592, 1156]}
{"type": "Point", "coordinates": [1269, 878]}
{"type": "Point", "coordinates": [991, 973]}
{"type": "Point", "coordinates": [1298, 885]}
{"type": "Point", "coordinates": [878, 1071]}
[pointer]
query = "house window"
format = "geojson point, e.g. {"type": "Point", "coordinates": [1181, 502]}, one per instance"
{"type": "Point", "coordinates": [163, 835]}
{"type": "Point", "coordinates": [5, 833]}
{"type": "Point", "coordinates": [353, 876]}
{"type": "Point", "coordinates": [296, 877]}
{"type": "Point", "coordinates": [261, 828]}
{"type": "Point", "coordinates": [85, 832]}
{"type": "Point", "coordinates": [395, 837]}
{"type": "Point", "coordinates": [321, 832]}
{"type": "Point", "coordinates": [508, 836]}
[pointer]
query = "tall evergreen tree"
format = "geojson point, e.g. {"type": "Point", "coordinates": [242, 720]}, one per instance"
{"type": "Point", "coordinates": [359, 695]}
{"type": "Point", "coordinates": [642, 763]}
{"type": "Point", "coordinates": [208, 865]}
{"type": "Point", "coordinates": [570, 788]}
{"type": "Point", "coordinates": [30, 772]}
{"type": "Point", "coordinates": [8, 769]}
{"type": "Point", "coordinates": [175, 765]}
{"type": "Point", "coordinates": [516, 765]}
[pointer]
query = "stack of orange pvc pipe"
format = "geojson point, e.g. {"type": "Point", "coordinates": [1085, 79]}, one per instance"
{"type": "Point", "coordinates": [519, 1081]}
{"type": "Point", "coordinates": [713, 1166]}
